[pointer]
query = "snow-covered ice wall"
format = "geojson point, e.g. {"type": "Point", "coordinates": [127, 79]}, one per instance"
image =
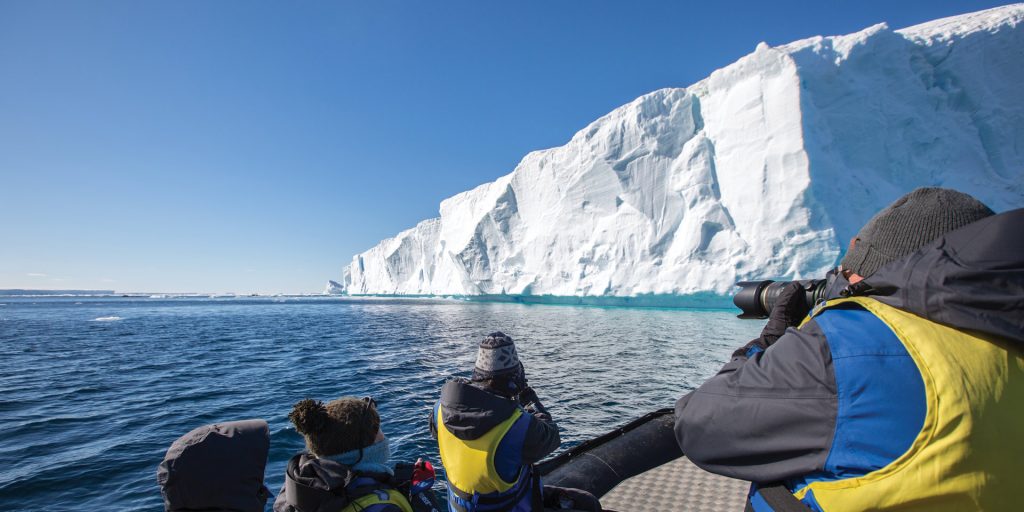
{"type": "Point", "coordinates": [766, 168]}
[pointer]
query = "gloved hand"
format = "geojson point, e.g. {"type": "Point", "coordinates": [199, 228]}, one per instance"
{"type": "Point", "coordinates": [789, 310]}
{"type": "Point", "coordinates": [565, 498]}
{"type": "Point", "coordinates": [423, 476]}
{"type": "Point", "coordinates": [527, 396]}
{"type": "Point", "coordinates": [531, 404]}
{"type": "Point", "coordinates": [421, 490]}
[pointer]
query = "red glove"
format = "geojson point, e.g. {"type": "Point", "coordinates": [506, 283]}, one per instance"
{"type": "Point", "coordinates": [423, 476]}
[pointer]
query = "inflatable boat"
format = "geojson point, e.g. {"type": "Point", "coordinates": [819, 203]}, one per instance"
{"type": "Point", "coordinates": [639, 467]}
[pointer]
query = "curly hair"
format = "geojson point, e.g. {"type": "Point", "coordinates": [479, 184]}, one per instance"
{"type": "Point", "coordinates": [340, 426]}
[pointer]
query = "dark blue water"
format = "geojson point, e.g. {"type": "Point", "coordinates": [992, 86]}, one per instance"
{"type": "Point", "coordinates": [88, 407]}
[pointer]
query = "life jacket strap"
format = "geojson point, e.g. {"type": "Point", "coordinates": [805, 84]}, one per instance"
{"type": "Point", "coordinates": [457, 496]}
{"type": "Point", "coordinates": [779, 498]}
{"type": "Point", "coordinates": [476, 502]}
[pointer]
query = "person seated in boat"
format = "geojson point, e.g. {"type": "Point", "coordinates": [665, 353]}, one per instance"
{"type": "Point", "coordinates": [905, 389]}
{"type": "Point", "coordinates": [490, 430]}
{"type": "Point", "coordinates": [217, 467]}
{"type": "Point", "coordinates": [346, 466]}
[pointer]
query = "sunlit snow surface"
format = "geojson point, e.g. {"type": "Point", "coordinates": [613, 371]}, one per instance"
{"type": "Point", "coordinates": [765, 168]}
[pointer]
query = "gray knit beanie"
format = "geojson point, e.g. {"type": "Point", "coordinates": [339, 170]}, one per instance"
{"type": "Point", "coordinates": [497, 366]}
{"type": "Point", "coordinates": [910, 223]}
{"type": "Point", "coordinates": [496, 356]}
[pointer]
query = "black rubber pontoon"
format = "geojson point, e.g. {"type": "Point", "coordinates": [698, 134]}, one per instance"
{"type": "Point", "coordinates": [601, 463]}
{"type": "Point", "coordinates": [640, 468]}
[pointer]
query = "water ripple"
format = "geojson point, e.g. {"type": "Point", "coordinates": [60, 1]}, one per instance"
{"type": "Point", "coordinates": [88, 407]}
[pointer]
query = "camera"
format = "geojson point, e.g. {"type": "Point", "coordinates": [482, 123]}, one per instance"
{"type": "Point", "coordinates": [757, 298]}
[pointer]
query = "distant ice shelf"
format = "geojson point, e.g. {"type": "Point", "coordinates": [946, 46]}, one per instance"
{"type": "Point", "coordinates": [29, 292]}
{"type": "Point", "coordinates": [765, 168]}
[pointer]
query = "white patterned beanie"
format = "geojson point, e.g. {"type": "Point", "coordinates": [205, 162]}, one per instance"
{"type": "Point", "coordinates": [497, 366]}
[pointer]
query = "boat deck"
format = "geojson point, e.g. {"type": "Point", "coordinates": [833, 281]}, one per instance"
{"type": "Point", "coordinates": [678, 485]}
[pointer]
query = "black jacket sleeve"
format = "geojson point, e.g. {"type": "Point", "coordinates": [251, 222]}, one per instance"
{"type": "Point", "coordinates": [765, 418]}
{"type": "Point", "coordinates": [542, 436]}
{"type": "Point", "coordinates": [433, 422]}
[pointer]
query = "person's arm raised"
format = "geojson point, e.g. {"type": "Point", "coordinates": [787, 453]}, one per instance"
{"type": "Point", "coordinates": [767, 417]}
{"type": "Point", "coordinates": [542, 435]}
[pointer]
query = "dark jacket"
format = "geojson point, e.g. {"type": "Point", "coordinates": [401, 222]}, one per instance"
{"type": "Point", "coordinates": [773, 416]}
{"type": "Point", "coordinates": [217, 467]}
{"type": "Point", "coordinates": [470, 412]}
{"type": "Point", "coordinates": [322, 485]}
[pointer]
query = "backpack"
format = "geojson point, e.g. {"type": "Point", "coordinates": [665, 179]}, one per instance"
{"type": "Point", "coordinates": [322, 485]}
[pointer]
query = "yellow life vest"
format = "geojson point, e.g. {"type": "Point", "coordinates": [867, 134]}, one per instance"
{"type": "Point", "coordinates": [378, 497]}
{"type": "Point", "coordinates": [469, 464]}
{"type": "Point", "coordinates": [969, 454]}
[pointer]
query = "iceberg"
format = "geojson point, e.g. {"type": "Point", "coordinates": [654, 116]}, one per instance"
{"type": "Point", "coordinates": [334, 288]}
{"type": "Point", "coordinates": [764, 169]}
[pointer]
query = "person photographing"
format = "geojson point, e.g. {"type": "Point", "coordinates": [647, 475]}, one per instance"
{"type": "Point", "coordinates": [490, 430]}
{"type": "Point", "coordinates": [903, 390]}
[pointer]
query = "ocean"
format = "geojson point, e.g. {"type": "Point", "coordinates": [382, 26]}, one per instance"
{"type": "Point", "coordinates": [94, 389]}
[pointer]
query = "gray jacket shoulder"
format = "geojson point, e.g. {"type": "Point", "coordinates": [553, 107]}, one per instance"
{"type": "Point", "coordinates": [766, 418]}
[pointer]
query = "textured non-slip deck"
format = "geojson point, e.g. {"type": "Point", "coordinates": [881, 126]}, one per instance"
{"type": "Point", "coordinates": [678, 485]}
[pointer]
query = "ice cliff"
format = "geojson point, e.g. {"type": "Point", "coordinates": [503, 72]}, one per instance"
{"type": "Point", "coordinates": [765, 168]}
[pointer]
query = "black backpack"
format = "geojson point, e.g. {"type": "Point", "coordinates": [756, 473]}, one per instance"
{"type": "Point", "coordinates": [323, 485]}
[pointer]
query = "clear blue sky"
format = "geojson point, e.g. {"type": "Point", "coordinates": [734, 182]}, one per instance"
{"type": "Point", "coordinates": [255, 147]}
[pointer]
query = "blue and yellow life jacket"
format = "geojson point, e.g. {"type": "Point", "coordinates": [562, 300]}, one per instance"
{"type": "Point", "coordinates": [474, 482]}
{"type": "Point", "coordinates": [379, 497]}
{"type": "Point", "coordinates": [963, 451]}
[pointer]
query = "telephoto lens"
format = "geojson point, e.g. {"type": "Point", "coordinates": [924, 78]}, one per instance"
{"type": "Point", "coordinates": [757, 298]}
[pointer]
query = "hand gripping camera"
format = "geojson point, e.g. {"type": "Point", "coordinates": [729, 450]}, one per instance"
{"type": "Point", "coordinates": [757, 298]}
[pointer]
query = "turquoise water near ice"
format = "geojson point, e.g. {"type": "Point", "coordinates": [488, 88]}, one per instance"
{"type": "Point", "coordinates": [94, 390]}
